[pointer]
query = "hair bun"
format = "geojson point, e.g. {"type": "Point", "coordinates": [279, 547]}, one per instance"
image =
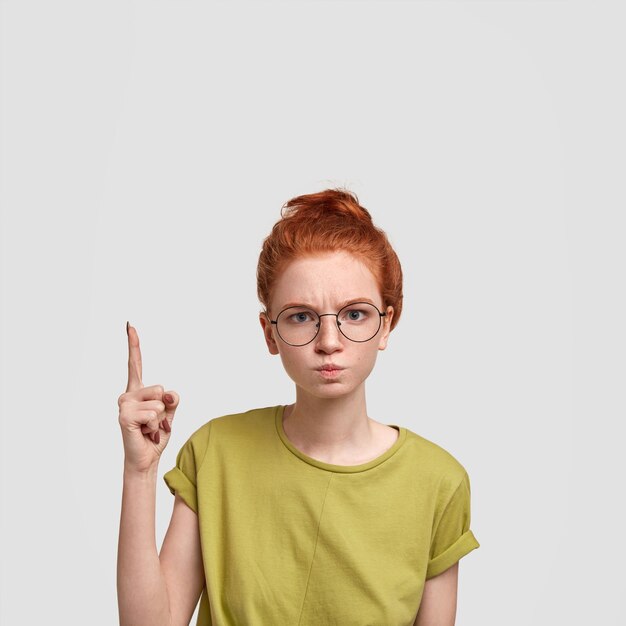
{"type": "Point", "coordinates": [339, 200]}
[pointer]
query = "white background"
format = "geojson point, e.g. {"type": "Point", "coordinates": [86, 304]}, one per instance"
{"type": "Point", "coordinates": [147, 148]}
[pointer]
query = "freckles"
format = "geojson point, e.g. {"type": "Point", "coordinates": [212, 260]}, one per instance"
{"type": "Point", "coordinates": [363, 358]}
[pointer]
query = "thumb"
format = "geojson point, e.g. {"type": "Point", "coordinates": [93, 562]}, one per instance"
{"type": "Point", "coordinates": [171, 400]}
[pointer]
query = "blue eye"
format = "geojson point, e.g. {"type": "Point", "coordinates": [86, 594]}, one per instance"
{"type": "Point", "coordinates": [300, 317]}
{"type": "Point", "coordinates": [355, 315]}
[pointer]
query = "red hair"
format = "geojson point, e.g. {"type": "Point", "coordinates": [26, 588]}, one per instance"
{"type": "Point", "coordinates": [328, 221]}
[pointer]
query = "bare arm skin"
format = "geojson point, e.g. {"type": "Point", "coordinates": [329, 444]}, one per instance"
{"type": "Point", "coordinates": [141, 589]}
{"type": "Point", "coordinates": [157, 589]}
{"type": "Point", "coordinates": [181, 563]}
{"type": "Point", "coordinates": [438, 605]}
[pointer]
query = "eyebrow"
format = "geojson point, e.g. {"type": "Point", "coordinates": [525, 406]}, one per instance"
{"type": "Point", "coordinates": [340, 305]}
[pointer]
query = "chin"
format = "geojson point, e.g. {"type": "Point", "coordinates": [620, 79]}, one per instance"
{"type": "Point", "coordinates": [326, 389]}
{"type": "Point", "coordinates": [329, 394]}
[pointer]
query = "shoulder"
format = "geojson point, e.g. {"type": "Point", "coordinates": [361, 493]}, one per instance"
{"type": "Point", "coordinates": [232, 429]}
{"type": "Point", "coordinates": [243, 425]}
{"type": "Point", "coordinates": [232, 420]}
{"type": "Point", "coordinates": [437, 467]}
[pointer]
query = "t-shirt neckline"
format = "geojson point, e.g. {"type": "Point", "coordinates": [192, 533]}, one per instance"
{"type": "Point", "coordinates": [345, 469]}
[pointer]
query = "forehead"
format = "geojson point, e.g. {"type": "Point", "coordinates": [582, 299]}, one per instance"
{"type": "Point", "coordinates": [325, 280]}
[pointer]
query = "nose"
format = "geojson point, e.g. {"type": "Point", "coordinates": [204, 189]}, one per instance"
{"type": "Point", "coordinates": [329, 337]}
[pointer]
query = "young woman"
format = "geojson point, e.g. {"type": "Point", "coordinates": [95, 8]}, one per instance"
{"type": "Point", "coordinates": [308, 514]}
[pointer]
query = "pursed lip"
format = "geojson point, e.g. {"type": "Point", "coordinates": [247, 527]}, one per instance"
{"type": "Point", "coordinates": [329, 368]}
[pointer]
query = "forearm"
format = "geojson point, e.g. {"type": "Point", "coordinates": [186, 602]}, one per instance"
{"type": "Point", "coordinates": [141, 589]}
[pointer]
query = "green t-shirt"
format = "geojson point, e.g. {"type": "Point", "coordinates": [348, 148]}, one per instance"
{"type": "Point", "coordinates": [290, 540]}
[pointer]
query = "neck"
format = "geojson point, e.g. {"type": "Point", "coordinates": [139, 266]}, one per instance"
{"type": "Point", "coordinates": [328, 427]}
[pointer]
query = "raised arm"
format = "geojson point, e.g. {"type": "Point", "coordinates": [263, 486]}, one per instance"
{"type": "Point", "coordinates": [142, 583]}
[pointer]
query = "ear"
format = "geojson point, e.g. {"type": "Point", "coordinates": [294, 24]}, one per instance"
{"type": "Point", "coordinates": [386, 329]}
{"type": "Point", "coordinates": [268, 333]}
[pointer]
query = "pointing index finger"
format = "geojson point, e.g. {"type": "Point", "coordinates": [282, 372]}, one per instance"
{"type": "Point", "coordinates": [134, 360]}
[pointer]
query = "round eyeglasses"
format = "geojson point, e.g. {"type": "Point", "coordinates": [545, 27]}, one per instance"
{"type": "Point", "coordinates": [357, 321]}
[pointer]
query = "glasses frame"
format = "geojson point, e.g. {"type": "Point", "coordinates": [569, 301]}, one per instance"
{"type": "Point", "coordinates": [319, 323]}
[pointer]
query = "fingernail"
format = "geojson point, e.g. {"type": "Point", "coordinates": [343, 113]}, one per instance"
{"type": "Point", "coordinates": [127, 329]}
{"type": "Point", "coordinates": [157, 437]}
{"type": "Point", "coordinates": [166, 426]}
{"type": "Point", "coordinates": [169, 398]}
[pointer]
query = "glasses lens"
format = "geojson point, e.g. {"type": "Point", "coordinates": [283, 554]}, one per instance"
{"type": "Point", "coordinates": [297, 325]}
{"type": "Point", "coordinates": [359, 321]}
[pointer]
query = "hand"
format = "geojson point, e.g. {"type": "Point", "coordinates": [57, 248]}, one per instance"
{"type": "Point", "coordinates": [143, 412]}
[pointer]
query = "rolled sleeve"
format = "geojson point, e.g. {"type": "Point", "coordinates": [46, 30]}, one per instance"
{"type": "Point", "coordinates": [183, 477]}
{"type": "Point", "coordinates": [453, 538]}
{"type": "Point", "coordinates": [178, 482]}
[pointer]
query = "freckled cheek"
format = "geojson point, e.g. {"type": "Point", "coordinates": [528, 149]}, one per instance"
{"type": "Point", "coordinates": [292, 363]}
{"type": "Point", "coordinates": [367, 361]}
{"type": "Point", "coordinates": [366, 357]}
